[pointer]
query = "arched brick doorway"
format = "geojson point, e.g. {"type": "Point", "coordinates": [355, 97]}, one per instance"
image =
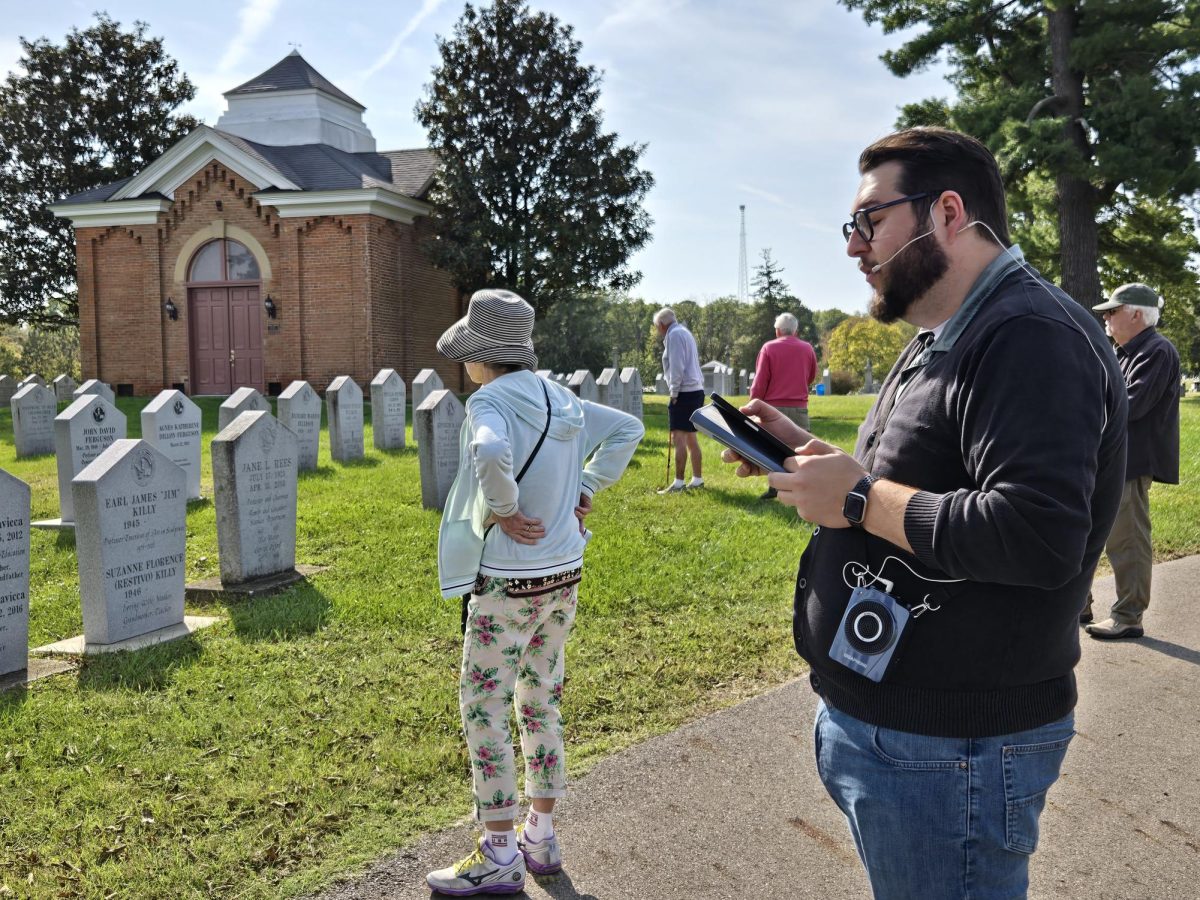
{"type": "Point", "coordinates": [225, 318]}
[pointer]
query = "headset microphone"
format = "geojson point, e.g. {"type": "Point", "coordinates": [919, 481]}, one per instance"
{"type": "Point", "coordinates": [875, 269]}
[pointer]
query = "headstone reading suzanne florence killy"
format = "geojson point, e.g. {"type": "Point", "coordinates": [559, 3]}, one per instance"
{"type": "Point", "coordinates": [631, 383]}
{"type": "Point", "coordinates": [254, 486]}
{"type": "Point", "coordinates": [244, 399]}
{"type": "Point", "coordinates": [14, 573]}
{"type": "Point", "coordinates": [82, 431]}
{"type": "Point", "coordinates": [388, 400]}
{"type": "Point", "coordinates": [171, 422]}
{"type": "Point", "coordinates": [583, 385]}
{"type": "Point", "coordinates": [95, 386]}
{"type": "Point", "coordinates": [610, 389]}
{"type": "Point", "coordinates": [33, 408]}
{"type": "Point", "coordinates": [344, 410]}
{"type": "Point", "coordinates": [299, 409]}
{"type": "Point", "coordinates": [436, 426]}
{"type": "Point", "coordinates": [64, 389]}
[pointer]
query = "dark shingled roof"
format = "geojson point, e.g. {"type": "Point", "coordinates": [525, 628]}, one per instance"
{"type": "Point", "coordinates": [96, 194]}
{"type": "Point", "coordinates": [292, 73]}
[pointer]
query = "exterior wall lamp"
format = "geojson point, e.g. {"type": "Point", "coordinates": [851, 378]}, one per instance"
{"type": "Point", "coordinates": [270, 307]}
{"type": "Point", "coordinates": [171, 311]}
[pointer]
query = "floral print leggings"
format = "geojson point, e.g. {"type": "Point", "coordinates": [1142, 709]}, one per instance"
{"type": "Point", "coordinates": [513, 653]}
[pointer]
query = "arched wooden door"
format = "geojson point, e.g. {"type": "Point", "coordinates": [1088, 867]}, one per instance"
{"type": "Point", "coordinates": [225, 316]}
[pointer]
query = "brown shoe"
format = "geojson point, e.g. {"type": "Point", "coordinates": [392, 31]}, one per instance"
{"type": "Point", "coordinates": [1110, 629]}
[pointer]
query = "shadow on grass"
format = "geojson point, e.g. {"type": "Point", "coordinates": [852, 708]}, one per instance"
{"type": "Point", "coordinates": [363, 462]}
{"type": "Point", "coordinates": [298, 611]}
{"type": "Point", "coordinates": [318, 472]}
{"type": "Point", "coordinates": [149, 669]}
{"type": "Point", "coordinates": [749, 501]}
{"type": "Point", "coordinates": [1175, 651]}
{"type": "Point", "coordinates": [65, 539]}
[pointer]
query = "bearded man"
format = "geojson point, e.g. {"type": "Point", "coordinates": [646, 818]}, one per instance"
{"type": "Point", "coordinates": [937, 601]}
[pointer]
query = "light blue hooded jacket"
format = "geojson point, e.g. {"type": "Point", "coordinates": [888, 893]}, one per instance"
{"type": "Point", "coordinates": [504, 420]}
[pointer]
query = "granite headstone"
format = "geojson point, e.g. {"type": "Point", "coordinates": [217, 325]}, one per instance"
{"type": "Point", "coordinates": [8, 387]}
{"type": "Point", "coordinates": [83, 431]}
{"type": "Point", "coordinates": [64, 389]}
{"type": "Point", "coordinates": [388, 401]}
{"type": "Point", "coordinates": [610, 389]}
{"type": "Point", "coordinates": [171, 423]}
{"type": "Point", "coordinates": [33, 408]}
{"type": "Point", "coordinates": [631, 382]}
{"type": "Point", "coordinates": [344, 412]}
{"type": "Point", "coordinates": [583, 385]}
{"type": "Point", "coordinates": [97, 387]}
{"type": "Point", "coordinates": [436, 426]}
{"type": "Point", "coordinates": [300, 411]}
{"type": "Point", "coordinates": [14, 573]}
{"type": "Point", "coordinates": [244, 399]}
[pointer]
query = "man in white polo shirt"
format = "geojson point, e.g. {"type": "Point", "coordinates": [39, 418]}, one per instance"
{"type": "Point", "coordinates": [681, 369]}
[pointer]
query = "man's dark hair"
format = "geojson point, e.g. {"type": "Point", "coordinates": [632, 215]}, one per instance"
{"type": "Point", "coordinates": [938, 159]}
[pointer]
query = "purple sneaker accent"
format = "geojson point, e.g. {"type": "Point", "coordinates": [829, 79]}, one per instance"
{"type": "Point", "coordinates": [541, 857]}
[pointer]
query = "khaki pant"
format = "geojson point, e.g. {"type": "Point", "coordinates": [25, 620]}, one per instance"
{"type": "Point", "coordinates": [797, 414]}
{"type": "Point", "coordinates": [1131, 553]}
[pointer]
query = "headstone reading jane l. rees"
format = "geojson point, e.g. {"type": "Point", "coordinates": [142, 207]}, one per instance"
{"type": "Point", "coordinates": [254, 486]}
{"type": "Point", "coordinates": [131, 533]}
{"type": "Point", "coordinates": [344, 410]}
{"type": "Point", "coordinates": [95, 386]}
{"type": "Point", "coordinates": [244, 399]}
{"type": "Point", "coordinates": [83, 431]}
{"type": "Point", "coordinates": [583, 385]}
{"type": "Point", "coordinates": [33, 408]}
{"type": "Point", "coordinates": [299, 409]}
{"type": "Point", "coordinates": [436, 426]}
{"type": "Point", "coordinates": [14, 573]}
{"type": "Point", "coordinates": [171, 422]}
{"type": "Point", "coordinates": [64, 389]}
{"type": "Point", "coordinates": [631, 383]}
{"type": "Point", "coordinates": [387, 410]}
{"type": "Point", "coordinates": [610, 389]}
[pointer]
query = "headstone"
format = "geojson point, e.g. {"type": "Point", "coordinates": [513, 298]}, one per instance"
{"type": "Point", "coordinates": [83, 431]}
{"type": "Point", "coordinates": [300, 411]}
{"type": "Point", "coordinates": [869, 380]}
{"type": "Point", "coordinates": [8, 388]}
{"type": "Point", "coordinates": [631, 386]}
{"type": "Point", "coordinates": [344, 411]}
{"type": "Point", "coordinates": [426, 382]}
{"type": "Point", "coordinates": [562, 378]}
{"type": "Point", "coordinates": [743, 382]}
{"type": "Point", "coordinates": [97, 387]}
{"type": "Point", "coordinates": [583, 385]}
{"type": "Point", "coordinates": [436, 426]}
{"type": "Point", "coordinates": [130, 538]}
{"type": "Point", "coordinates": [660, 384]}
{"type": "Point", "coordinates": [33, 408]}
{"type": "Point", "coordinates": [14, 573]}
{"type": "Point", "coordinates": [244, 399]}
{"type": "Point", "coordinates": [64, 389]}
{"type": "Point", "coordinates": [254, 487]}
{"type": "Point", "coordinates": [545, 373]}
{"type": "Point", "coordinates": [33, 378]}
{"type": "Point", "coordinates": [827, 382]}
{"type": "Point", "coordinates": [709, 371]}
{"type": "Point", "coordinates": [171, 423]}
{"type": "Point", "coordinates": [388, 401]}
{"type": "Point", "coordinates": [610, 389]}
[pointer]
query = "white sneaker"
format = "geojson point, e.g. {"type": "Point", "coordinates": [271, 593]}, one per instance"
{"type": "Point", "coordinates": [479, 873]}
{"type": "Point", "coordinates": [541, 857]}
{"type": "Point", "coordinates": [695, 483]}
{"type": "Point", "coordinates": [674, 488]}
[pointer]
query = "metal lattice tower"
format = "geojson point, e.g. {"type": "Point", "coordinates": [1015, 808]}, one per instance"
{"type": "Point", "coordinates": [743, 288]}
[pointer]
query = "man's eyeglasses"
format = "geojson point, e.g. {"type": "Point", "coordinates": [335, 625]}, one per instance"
{"type": "Point", "coordinates": [861, 220]}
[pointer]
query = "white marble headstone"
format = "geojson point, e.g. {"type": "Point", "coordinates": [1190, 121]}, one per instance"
{"type": "Point", "coordinates": [545, 373]}
{"type": "Point", "coordinates": [426, 382]}
{"type": "Point", "coordinates": [14, 573]}
{"type": "Point", "coordinates": [344, 411]}
{"type": "Point", "coordinates": [631, 382]}
{"type": "Point", "coordinates": [171, 423]}
{"type": "Point", "coordinates": [660, 384]}
{"type": "Point", "coordinates": [33, 378]}
{"type": "Point", "coordinates": [8, 387]}
{"type": "Point", "coordinates": [388, 401]}
{"type": "Point", "coordinates": [254, 487]}
{"type": "Point", "coordinates": [436, 426]}
{"type": "Point", "coordinates": [33, 409]}
{"type": "Point", "coordinates": [610, 389]}
{"type": "Point", "coordinates": [743, 382]}
{"type": "Point", "coordinates": [130, 537]}
{"type": "Point", "coordinates": [97, 387]}
{"type": "Point", "coordinates": [300, 411]}
{"type": "Point", "coordinates": [83, 431]}
{"type": "Point", "coordinates": [64, 389]}
{"type": "Point", "coordinates": [244, 399]}
{"type": "Point", "coordinates": [583, 385]}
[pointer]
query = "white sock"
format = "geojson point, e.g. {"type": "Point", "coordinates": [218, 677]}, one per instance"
{"type": "Point", "coordinates": [538, 826]}
{"type": "Point", "coordinates": [503, 846]}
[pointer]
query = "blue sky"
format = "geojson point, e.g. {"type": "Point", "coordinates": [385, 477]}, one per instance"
{"type": "Point", "coordinates": [760, 102]}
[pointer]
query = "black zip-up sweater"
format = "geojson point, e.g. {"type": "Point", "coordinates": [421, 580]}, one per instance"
{"type": "Point", "coordinates": [1001, 428]}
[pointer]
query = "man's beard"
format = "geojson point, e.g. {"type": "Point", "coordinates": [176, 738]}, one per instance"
{"type": "Point", "coordinates": [924, 267]}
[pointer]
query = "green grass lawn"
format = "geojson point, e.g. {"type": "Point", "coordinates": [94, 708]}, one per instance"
{"type": "Point", "coordinates": [314, 730]}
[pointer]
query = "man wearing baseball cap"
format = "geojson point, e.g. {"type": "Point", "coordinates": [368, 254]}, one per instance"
{"type": "Point", "coordinates": [1150, 364]}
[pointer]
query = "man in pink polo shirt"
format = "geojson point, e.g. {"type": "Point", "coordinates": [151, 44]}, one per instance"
{"type": "Point", "coordinates": [786, 367]}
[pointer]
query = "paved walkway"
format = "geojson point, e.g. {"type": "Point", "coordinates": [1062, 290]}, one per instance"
{"type": "Point", "coordinates": [731, 806]}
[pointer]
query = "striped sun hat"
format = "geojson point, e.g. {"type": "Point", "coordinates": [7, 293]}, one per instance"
{"type": "Point", "coordinates": [498, 328]}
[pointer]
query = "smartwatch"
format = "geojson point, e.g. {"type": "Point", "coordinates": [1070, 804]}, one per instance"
{"type": "Point", "coordinates": [854, 508]}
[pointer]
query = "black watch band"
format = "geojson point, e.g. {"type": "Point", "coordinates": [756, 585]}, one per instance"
{"type": "Point", "coordinates": [854, 508]}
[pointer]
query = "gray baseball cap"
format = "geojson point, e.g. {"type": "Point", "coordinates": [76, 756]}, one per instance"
{"type": "Point", "coordinates": [1133, 294]}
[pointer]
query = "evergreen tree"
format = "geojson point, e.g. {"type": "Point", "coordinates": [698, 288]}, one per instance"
{"type": "Point", "coordinates": [90, 111]}
{"type": "Point", "coordinates": [532, 194]}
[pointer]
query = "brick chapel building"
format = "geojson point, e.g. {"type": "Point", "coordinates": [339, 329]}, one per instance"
{"type": "Point", "coordinates": [279, 245]}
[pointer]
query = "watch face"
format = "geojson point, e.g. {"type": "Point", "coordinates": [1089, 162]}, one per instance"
{"type": "Point", "coordinates": [854, 508]}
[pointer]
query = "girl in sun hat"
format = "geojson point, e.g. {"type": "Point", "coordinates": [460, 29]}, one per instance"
{"type": "Point", "coordinates": [531, 455]}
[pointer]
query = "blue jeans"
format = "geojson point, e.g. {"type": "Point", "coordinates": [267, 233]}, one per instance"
{"type": "Point", "coordinates": [940, 817]}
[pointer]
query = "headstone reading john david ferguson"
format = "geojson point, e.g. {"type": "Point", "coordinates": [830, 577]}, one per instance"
{"type": "Point", "coordinates": [300, 412]}
{"type": "Point", "coordinates": [436, 426]}
{"type": "Point", "coordinates": [14, 573]}
{"type": "Point", "coordinates": [171, 422]}
{"type": "Point", "coordinates": [387, 410]}
{"type": "Point", "coordinates": [344, 410]}
{"type": "Point", "coordinates": [254, 486]}
{"type": "Point", "coordinates": [82, 432]}
{"type": "Point", "coordinates": [131, 537]}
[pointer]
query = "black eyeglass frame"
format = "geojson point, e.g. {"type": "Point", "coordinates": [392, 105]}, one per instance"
{"type": "Point", "coordinates": [861, 222]}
